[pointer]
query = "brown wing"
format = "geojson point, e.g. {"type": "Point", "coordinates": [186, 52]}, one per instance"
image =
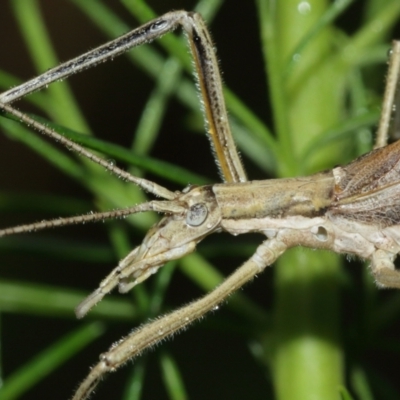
{"type": "Point", "coordinates": [368, 189]}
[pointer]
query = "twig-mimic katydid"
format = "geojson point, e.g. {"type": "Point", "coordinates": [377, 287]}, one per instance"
{"type": "Point", "coordinates": [320, 233]}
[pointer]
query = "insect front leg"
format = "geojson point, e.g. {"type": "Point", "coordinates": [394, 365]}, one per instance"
{"type": "Point", "coordinates": [152, 333]}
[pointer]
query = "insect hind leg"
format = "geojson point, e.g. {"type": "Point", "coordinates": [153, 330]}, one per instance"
{"type": "Point", "coordinates": [384, 271]}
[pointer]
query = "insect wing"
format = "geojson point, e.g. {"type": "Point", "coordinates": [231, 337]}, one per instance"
{"type": "Point", "coordinates": [368, 189]}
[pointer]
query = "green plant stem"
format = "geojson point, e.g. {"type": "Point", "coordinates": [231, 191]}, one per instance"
{"type": "Point", "coordinates": [306, 362]}
{"type": "Point", "coordinates": [307, 358]}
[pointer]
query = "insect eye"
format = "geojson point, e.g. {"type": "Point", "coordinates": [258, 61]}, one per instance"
{"type": "Point", "coordinates": [197, 214]}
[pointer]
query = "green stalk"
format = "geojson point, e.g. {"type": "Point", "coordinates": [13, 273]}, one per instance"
{"type": "Point", "coordinates": [306, 355]}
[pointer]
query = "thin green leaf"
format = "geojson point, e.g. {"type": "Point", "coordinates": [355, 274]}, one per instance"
{"type": "Point", "coordinates": [360, 384]}
{"type": "Point", "coordinates": [134, 388]}
{"type": "Point", "coordinates": [342, 130]}
{"type": "Point", "coordinates": [22, 297]}
{"type": "Point", "coordinates": [331, 13]}
{"type": "Point", "coordinates": [49, 360]}
{"type": "Point", "coordinates": [62, 106]}
{"type": "Point", "coordinates": [371, 33]}
{"type": "Point", "coordinates": [344, 394]}
{"type": "Point", "coordinates": [172, 378]}
{"type": "Point", "coordinates": [154, 110]}
{"type": "Point", "coordinates": [161, 168]}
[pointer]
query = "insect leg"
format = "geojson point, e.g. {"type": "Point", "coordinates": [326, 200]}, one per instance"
{"type": "Point", "coordinates": [388, 104]}
{"type": "Point", "coordinates": [150, 334]}
{"type": "Point", "coordinates": [383, 269]}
